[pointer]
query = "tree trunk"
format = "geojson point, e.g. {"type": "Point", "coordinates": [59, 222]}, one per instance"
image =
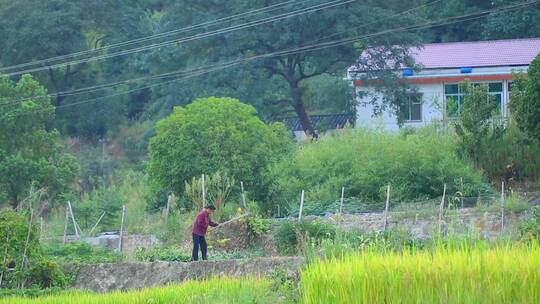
{"type": "Point", "coordinates": [300, 110]}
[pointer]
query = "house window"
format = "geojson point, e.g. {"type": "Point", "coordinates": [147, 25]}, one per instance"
{"type": "Point", "coordinates": [454, 96]}
{"type": "Point", "coordinates": [454, 99]}
{"type": "Point", "coordinates": [412, 109]}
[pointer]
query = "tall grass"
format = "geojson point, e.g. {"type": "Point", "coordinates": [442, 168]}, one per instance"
{"type": "Point", "coordinates": [216, 290]}
{"type": "Point", "coordinates": [448, 274]}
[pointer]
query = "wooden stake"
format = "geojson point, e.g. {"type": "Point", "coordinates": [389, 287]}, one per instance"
{"type": "Point", "coordinates": [461, 190]}
{"type": "Point", "coordinates": [341, 206]}
{"type": "Point", "coordinates": [386, 208]}
{"type": "Point", "coordinates": [301, 206]}
{"type": "Point", "coordinates": [167, 209]}
{"type": "Point", "coordinates": [73, 220]}
{"type": "Point", "coordinates": [243, 195]}
{"type": "Point", "coordinates": [122, 228]}
{"type": "Point", "coordinates": [502, 207]}
{"type": "Point", "coordinates": [24, 258]}
{"type": "Point", "coordinates": [441, 209]}
{"type": "Point", "coordinates": [203, 191]}
{"type": "Point", "coordinates": [66, 225]}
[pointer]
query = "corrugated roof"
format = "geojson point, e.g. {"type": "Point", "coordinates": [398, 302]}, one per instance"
{"type": "Point", "coordinates": [477, 54]}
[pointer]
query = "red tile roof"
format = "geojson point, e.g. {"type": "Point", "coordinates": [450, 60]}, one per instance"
{"type": "Point", "coordinates": [477, 54]}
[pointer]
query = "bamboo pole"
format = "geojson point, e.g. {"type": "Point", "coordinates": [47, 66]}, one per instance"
{"type": "Point", "coordinates": [24, 258]}
{"type": "Point", "coordinates": [243, 195]}
{"type": "Point", "coordinates": [122, 228]}
{"type": "Point", "coordinates": [387, 206]}
{"type": "Point", "coordinates": [340, 219]}
{"type": "Point", "coordinates": [502, 207]}
{"type": "Point", "coordinates": [66, 226]}
{"type": "Point", "coordinates": [301, 206]}
{"type": "Point", "coordinates": [441, 209]}
{"type": "Point", "coordinates": [73, 220]}
{"type": "Point", "coordinates": [97, 223]}
{"type": "Point", "coordinates": [203, 191]}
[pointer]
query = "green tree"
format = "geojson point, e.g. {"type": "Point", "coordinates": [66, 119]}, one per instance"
{"type": "Point", "coordinates": [525, 101]}
{"type": "Point", "coordinates": [211, 135]}
{"type": "Point", "coordinates": [477, 124]}
{"type": "Point", "coordinates": [29, 152]}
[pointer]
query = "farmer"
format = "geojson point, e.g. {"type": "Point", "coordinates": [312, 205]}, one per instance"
{"type": "Point", "coordinates": [199, 230]}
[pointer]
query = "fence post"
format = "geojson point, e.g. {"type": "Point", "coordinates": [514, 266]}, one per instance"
{"type": "Point", "coordinates": [203, 191]}
{"type": "Point", "coordinates": [461, 190]}
{"type": "Point", "coordinates": [386, 208]}
{"type": "Point", "coordinates": [341, 206]}
{"type": "Point", "coordinates": [168, 207]}
{"type": "Point", "coordinates": [122, 228]}
{"type": "Point", "coordinates": [441, 209]}
{"type": "Point", "coordinates": [73, 220]}
{"type": "Point", "coordinates": [502, 207]}
{"type": "Point", "coordinates": [243, 195]}
{"type": "Point", "coordinates": [301, 206]}
{"type": "Point", "coordinates": [65, 226]}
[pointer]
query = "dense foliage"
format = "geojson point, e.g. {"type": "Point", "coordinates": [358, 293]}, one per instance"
{"type": "Point", "coordinates": [211, 135]}
{"type": "Point", "coordinates": [365, 162]}
{"type": "Point", "coordinates": [30, 153]}
{"type": "Point", "coordinates": [22, 263]}
{"type": "Point", "coordinates": [525, 101]}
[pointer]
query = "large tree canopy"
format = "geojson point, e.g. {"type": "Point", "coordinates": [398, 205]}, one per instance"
{"type": "Point", "coordinates": [29, 152]}
{"type": "Point", "coordinates": [287, 75]}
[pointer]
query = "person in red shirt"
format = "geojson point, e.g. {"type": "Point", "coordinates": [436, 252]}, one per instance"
{"type": "Point", "coordinates": [202, 221]}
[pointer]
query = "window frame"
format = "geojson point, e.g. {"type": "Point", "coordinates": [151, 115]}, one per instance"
{"type": "Point", "coordinates": [409, 107]}
{"type": "Point", "coordinates": [460, 96]}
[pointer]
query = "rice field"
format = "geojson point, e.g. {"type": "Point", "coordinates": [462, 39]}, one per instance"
{"type": "Point", "coordinates": [216, 290]}
{"type": "Point", "coordinates": [505, 274]}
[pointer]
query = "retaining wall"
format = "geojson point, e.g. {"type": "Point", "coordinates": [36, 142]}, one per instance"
{"type": "Point", "coordinates": [125, 276]}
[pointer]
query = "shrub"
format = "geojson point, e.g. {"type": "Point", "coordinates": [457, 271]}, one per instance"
{"type": "Point", "coordinates": [365, 161]}
{"type": "Point", "coordinates": [530, 229]}
{"type": "Point", "coordinates": [19, 240]}
{"type": "Point", "coordinates": [170, 254]}
{"type": "Point", "coordinates": [290, 235]}
{"type": "Point", "coordinates": [80, 253]}
{"type": "Point", "coordinates": [211, 135]}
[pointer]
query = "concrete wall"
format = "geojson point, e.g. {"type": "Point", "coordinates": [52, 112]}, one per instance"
{"type": "Point", "coordinates": [129, 245]}
{"type": "Point", "coordinates": [461, 222]}
{"type": "Point", "coordinates": [124, 276]}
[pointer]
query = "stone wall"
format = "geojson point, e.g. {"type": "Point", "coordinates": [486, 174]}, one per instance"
{"type": "Point", "coordinates": [125, 276]}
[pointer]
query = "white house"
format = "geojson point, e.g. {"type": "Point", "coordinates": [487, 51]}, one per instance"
{"type": "Point", "coordinates": [443, 66]}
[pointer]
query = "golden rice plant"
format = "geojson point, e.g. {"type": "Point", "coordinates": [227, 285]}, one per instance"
{"type": "Point", "coordinates": [504, 274]}
{"type": "Point", "coordinates": [219, 290]}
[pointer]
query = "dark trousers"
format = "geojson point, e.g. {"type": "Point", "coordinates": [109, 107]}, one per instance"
{"type": "Point", "coordinates": [198, 241]}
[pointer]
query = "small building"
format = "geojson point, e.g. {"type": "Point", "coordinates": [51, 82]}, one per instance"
{"type": "Point", "coordinates": [436, 94]}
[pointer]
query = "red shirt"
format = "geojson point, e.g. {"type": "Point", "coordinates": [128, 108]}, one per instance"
{"type": "Point", "coordinates": [202, 221]}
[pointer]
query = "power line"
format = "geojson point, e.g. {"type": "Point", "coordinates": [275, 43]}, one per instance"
{"type": "Point", "coordinates": [299, 12]}
{"type": "Point", "coordinates": [99, 87]}
{"type": "Point", "coordinates": [309, 48]}
{"type": "Point", "coordinates": [265, 9]}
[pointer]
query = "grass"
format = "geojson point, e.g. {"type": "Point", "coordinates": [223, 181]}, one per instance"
{"type": "Point", "coordinates": [466, 274]}
{"type": "Point", "coordinates": [215, 290]}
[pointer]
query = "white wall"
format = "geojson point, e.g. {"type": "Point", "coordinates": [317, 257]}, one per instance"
{"type": "Point", "coordinates": [432, 98]}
